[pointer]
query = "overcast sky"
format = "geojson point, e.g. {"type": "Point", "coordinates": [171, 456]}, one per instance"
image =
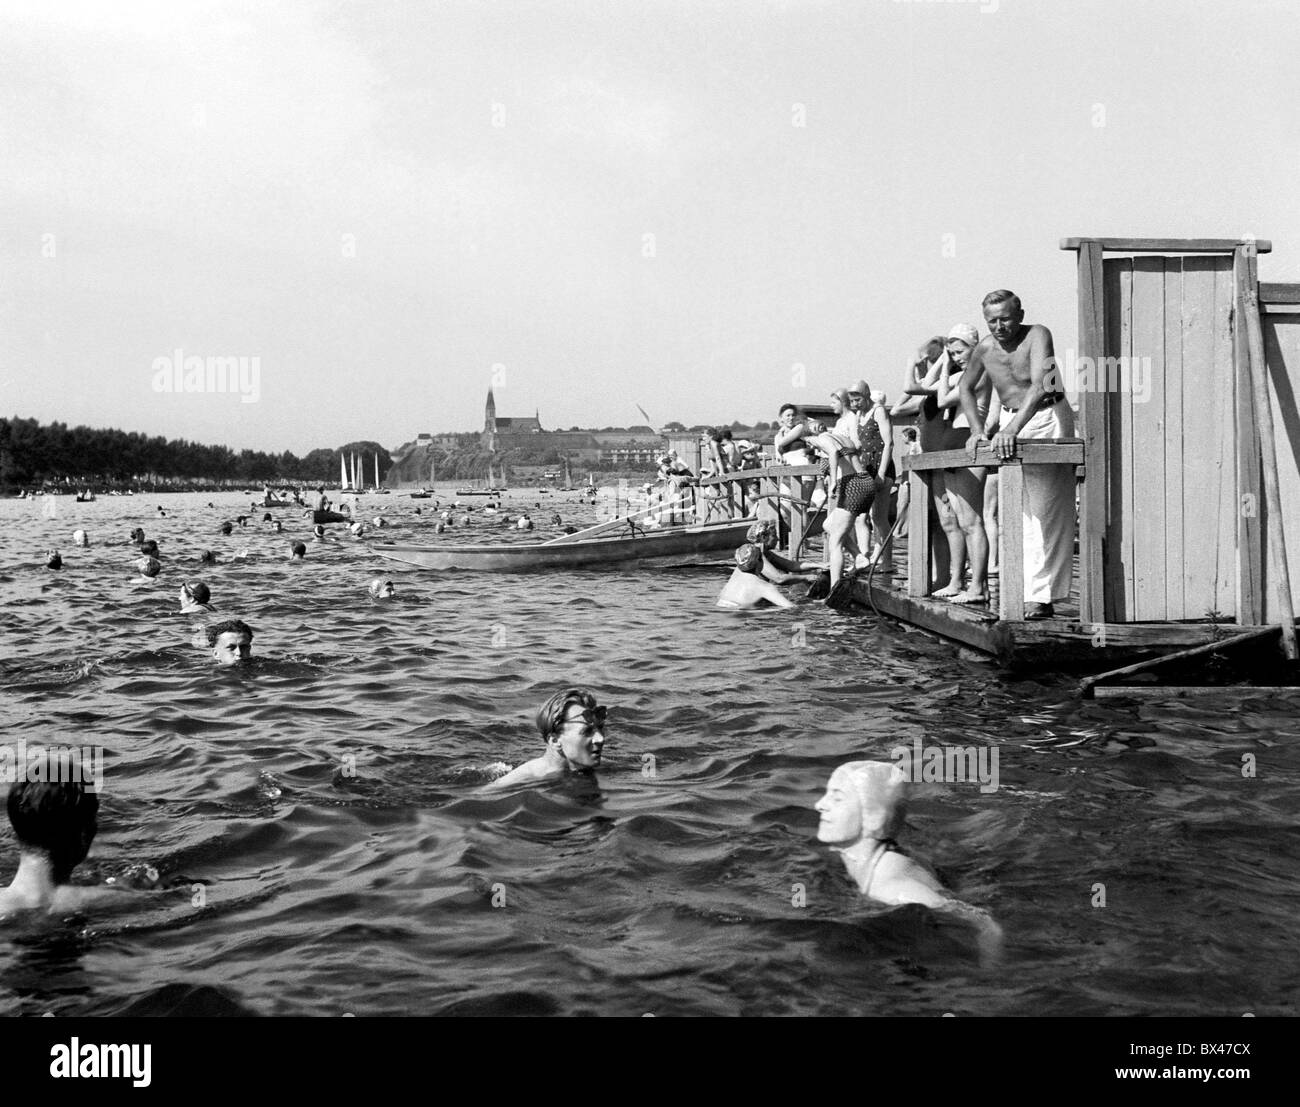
{"type": "Point", "coordinates": [603, 204]}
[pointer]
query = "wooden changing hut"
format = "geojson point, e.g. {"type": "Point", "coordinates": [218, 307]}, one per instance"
{"type": "Point", "coordinates": [1176, 543]}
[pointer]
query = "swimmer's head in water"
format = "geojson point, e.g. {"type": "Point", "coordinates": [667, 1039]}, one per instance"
{"type": "Point", "coordinates": [318, 531]}
{"type": "Point", "coordinates": [749, 557]}
{"type": "Point", "coordinates": [58, 819]}
{"type": "Point", "coordinates": [380, 588]}
{"type": "Point", "coordinates": [53, 560]}
{"type": "Point", "coordinates": [863, 799]}
{"type": "Point", "coordinates": [195, 591]}
{"type": "Point", "coordinates": [231, 641]}
{"type": "Point", "coordinates": [207, 557]}
{"type": "Point", "coordinates": [267, 518]}
{"type": "Point", "coordinates": [149, 566]}
{"type": "Point", "coordinates": [572, 722]}
{"type": "Point", "coordinates": [762, 534]}
{"type": "Point", "coordinates": [80, 538]}
{"type": "Point", "coordinates": [227, 527]}
{"type": "Point", "coordinates": [299, 550]}
{"type": "Point", "coordinates": [150, 548]}
{"type": "Point", "coordinates": [137, 535]}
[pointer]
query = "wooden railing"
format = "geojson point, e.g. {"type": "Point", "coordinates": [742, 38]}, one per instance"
{"type": "Point", "coordinates": [1011, 499]}
{"type": "Point", "coordinates": [743, 490]}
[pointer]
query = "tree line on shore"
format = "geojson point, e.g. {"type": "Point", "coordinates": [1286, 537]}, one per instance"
{"type": "Point", "coordinates": [33, 454]}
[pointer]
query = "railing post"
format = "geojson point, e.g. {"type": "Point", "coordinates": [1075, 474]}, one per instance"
{"type": "Point", "coordinates": [918, 533]}
{"type": "Point", "coordinates": [1011, 503]}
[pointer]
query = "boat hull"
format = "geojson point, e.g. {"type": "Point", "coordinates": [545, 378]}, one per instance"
{"type": "Point", "coordinates": [321, 517]}
{"type": "Point", "coordinates": [534, 556]}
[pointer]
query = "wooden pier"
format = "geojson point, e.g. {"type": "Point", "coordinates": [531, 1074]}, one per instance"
{"type": "Point", "coordinates": [1183, 496]}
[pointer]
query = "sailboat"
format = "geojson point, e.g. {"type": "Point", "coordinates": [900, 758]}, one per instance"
{"type": "Point", "coordinates": [492, 488]}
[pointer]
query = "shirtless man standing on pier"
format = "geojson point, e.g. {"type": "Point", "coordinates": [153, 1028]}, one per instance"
{"type": "Point", "coordinates": [1021, 362]}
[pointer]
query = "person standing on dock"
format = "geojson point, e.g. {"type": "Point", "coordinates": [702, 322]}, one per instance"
{"type": "Point", "coordinates": [1021, 362]}
{"type": "Point", "coordinates": [965, 488]}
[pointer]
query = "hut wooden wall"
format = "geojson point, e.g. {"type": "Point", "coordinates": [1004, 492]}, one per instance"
{"type": "Point", "coordinates": [1172, 504]}
{"type": "Point", "coordinates": [1281, 327]}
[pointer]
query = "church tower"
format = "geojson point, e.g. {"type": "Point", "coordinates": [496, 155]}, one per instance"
{"type": "Point", "coordinates": [490, 414]}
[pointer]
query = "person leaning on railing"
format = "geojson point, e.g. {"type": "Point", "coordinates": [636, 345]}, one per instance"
{"type": "Point", "coordinates": [790, 448]}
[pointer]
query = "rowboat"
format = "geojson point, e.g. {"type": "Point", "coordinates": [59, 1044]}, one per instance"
{"type": "Point", "coordinates": [609, 546]}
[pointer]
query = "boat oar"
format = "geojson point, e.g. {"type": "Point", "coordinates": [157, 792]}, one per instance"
{"type": "Point", "coordinates": [611, 524]}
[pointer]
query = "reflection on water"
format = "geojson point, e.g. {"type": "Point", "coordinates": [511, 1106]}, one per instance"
{"type": "Point", "coordinates": [323, 848]}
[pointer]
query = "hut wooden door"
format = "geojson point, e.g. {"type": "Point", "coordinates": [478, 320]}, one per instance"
{"type": "Point", "coordinates": [1170, 376]}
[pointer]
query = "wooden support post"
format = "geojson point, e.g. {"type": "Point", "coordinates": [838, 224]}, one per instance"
{"type": "Point", "coordinates": [1094, 417]}
{"type": "Point", "coordinates": [1277, 565]}
{"type": "Point", "coordinates": [918, 533]}
{"type": "Point", "coordinates": [1011, 502]}
{"type": "Point", "coordinates": [1250, 511]}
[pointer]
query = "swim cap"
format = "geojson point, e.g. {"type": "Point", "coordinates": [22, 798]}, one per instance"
{"type": "Point", "coordinates": [299, 549]}
{"type": "Point", "coordinates": [841, 394]}
{"type": "Point", "coordinates": [966, 333]}
{"type": "Point", "coordinates": [149, 566]}
{"type": "Point", "coordinates": [79, 538]}
{"type": "Point", "coordinates": [860, 387]}
{"type": "Point", "coordinates": [53, 560]}
{"type": "Point", "coordinates": [749, 557]}
{"type": "Point", "coordinates": [378, 585]}
{"type": "Point", "coordinates": [878, 786]}
{"type": "Point", "coordinates": [758, 531]}
{"type": "Point", "coordinates": [198, 591]}
{"type": "Point", "coordinates": [877, 395]}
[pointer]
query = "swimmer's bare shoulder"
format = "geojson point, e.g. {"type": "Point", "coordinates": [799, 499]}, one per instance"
{"type": "Point", "coordinates": [527, 773]}
{"type": "Point", "coordinates": [899, 879]}
{"type": "Point", "coordinates": [68, 899]}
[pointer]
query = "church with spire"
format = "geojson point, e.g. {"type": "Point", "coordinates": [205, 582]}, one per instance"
{"type": "Point", "coordinates": [501, 432]}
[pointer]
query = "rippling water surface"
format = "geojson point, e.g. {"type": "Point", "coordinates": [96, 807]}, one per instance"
{"type": "Point", "coordinates": [324, 801]}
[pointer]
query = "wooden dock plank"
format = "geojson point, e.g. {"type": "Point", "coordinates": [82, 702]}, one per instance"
{"type": "Point", "coordinates": [1144, 384]}
{"type": "Point", "coordinates": [1201, 441]}
{"type": "Point", "coordinates": [1174, 400]}
{"type": "Point", "coordinates": [1113, 568]}
{"type": "Point", "coordinates": [1124, 512]}
{"type": "Point", "coordinates": [1224, 390]}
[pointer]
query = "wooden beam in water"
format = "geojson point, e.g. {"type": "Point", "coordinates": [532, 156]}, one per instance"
{"type": "Point", "coordinates": [1179, 655]}
{"type": "Point", "coordinates": [1169, 245]}
{"type": "Point", "coordinates": [1192, 691]}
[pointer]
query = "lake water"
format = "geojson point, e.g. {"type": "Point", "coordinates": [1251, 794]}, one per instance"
{"type": "Point", "coordinates": [316, 822]}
